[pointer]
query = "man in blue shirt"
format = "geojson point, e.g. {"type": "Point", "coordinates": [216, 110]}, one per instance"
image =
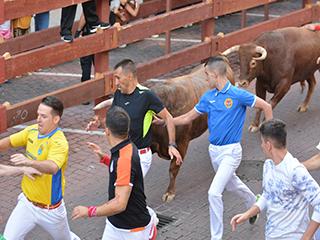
{"type": "Point", "coordinates": [225, 106]}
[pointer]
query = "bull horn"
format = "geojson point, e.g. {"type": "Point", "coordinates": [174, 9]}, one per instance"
{"type": "Point", "coordinates": [231, 50]}
{"type": "Point", "coordinates": [263, 53]}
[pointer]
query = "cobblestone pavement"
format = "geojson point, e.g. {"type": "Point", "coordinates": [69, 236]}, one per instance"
{"type": "Point", "coordinates": [87, 180]}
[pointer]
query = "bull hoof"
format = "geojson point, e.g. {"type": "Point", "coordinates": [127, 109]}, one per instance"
{"type": "Point", "coordinates": [302, 108]}
{"type": "Point", "coordinates": [168, 197]}
{"type": "Point", "coordinates": [253, 128]}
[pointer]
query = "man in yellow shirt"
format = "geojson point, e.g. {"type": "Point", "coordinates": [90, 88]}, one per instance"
{"type": "Point", "coordinates": [41, 201]}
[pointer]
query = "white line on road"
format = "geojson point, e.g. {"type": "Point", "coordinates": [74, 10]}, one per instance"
{"type": "Point", "coordinates": [261, 15]}
{"type": "Point", "coordinates": [70, 130]}
{"type": "Point", "coordinates": [175, 40]}
{"type": "Point", "coordinates": [56, 74]}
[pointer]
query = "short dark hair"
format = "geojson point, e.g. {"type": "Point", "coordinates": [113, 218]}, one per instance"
{"type": "Point", "coordinates": [54, 103]}
{"type": "Point", "coordinates": [217, 63]}
{"type": "Point", "coordinates": [275, 130]}
{"type": "Point", "coordinates": [118, 122]}
{"type": "Point", "coordinates": [128, 66]}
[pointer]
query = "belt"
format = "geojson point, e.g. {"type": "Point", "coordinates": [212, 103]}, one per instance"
{"type": "Point", "coordinates": [144, 150]}
{"type": "Point", "coordinates": [46, 206]}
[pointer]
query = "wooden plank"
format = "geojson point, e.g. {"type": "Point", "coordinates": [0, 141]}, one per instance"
{"type": "Point", "coordinates": [173, 61]}
{"type": "Point", "coordinates": [70, 96]}
{"type": "Point", "coordinates": [297, 18]}
{"type": "Point", "coordinates": [21, 8]}
{"type": "Point", "coordinates": [168, 21]}
{"type": "Point", "coordinates": [58, 53]}
{"type": "Point", "coordinates": [3, 117]}
{"type": "Point", "coordinates": [33, 40]}
{"type": "Point", "coordinates": [2, 18]}
{"type": "Point", "coordinates": [2, 69]}
{"type": "Point", "coordinates": [223, 7]}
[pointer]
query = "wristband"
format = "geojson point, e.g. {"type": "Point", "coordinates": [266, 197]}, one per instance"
{"type": "Point", "coordinates": [92, 211]}
{"type": "Point", "coordinates": [105, 160]}
{"type": "Point", "coordinates": [173, 145]}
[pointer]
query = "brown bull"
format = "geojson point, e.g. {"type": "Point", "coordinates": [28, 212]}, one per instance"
{"type": "Point", "coordinates": [179, 95]}
{"type": "Point", "coordinates": [278, 59]}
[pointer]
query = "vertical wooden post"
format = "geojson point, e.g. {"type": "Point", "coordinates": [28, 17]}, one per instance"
{"type": "Point", "coordinates": [2, 11]}
{"type": "Point", "coordinates": [101, 64]}
{"type": "Point", "coordinates": [3, 118]}
{"type": "Point", "coordinates": [208, 27]}
{"type": "Point", "coordinates": [243, 18]}
{"type": "Point", "coordinates": [168, 33]}
{"type": "Point", "coordinates": [266, 12]}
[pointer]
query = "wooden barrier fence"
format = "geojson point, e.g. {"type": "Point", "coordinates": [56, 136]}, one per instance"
{"type": "Point", "coordinates": [29, 49]}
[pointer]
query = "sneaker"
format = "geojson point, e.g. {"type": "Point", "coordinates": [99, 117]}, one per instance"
{"type": "Point", "coordinates": [102, 26]}
{"type": "Point", "coordinates": [255, 218]}
{"type": "Point", "coordinates": [155, 35]}
{"type": "Point", "coordinates": [67, 38]}
{"type": "Point", "coordinates": [77, 34]}
{"type": "Point", "coordinates": [123, 46]}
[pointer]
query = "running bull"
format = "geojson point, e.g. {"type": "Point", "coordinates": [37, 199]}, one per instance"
{"type": "Point", "coordinates": [278, 59]}
{"type": "Point", "coordinates": [179, 95]}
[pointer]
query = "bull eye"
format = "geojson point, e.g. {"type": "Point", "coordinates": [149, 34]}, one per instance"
{"type": "Point", "coordinates": [253, 63]}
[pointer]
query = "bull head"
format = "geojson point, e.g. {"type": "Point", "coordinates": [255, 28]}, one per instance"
{"type": "Point", "coordinates": [250, 56]}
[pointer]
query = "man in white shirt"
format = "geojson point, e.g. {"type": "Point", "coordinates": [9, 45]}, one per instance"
{"type": "Point", "coordinates": [288, 190]}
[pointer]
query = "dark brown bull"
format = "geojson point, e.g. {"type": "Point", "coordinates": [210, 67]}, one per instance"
{"type": "Point", "coordinates": [179, 95]}
{"type": "Point", "coordinates": [278, 59]}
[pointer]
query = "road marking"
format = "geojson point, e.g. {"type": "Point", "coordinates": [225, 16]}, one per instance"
{"type": "Point", "coordinates": [175, 40]}
{"type": "Point", "coordinates": [70, 130]}
{"type": "Point", "coordinates": [260, 15]}
{"type": "Point", "coordinates": [57, 74]}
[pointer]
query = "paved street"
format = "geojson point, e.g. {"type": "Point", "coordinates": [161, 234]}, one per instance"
{"type": "Point", "coordinates": [87, 180]}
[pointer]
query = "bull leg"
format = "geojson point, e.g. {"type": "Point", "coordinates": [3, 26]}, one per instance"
{"type": "Point", "coordinates": [281, 90]}
{"type": "Point", "coordinates": [173, 172]}
{"type": "Point", "coordinates": [261, 93]}
{"type": "Point", "coordinates": [303, 107]}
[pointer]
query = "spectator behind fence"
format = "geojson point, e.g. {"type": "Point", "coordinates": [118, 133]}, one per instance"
{"type": "Point", "coordinates": [21, 26]}
{"type": "Point", "coordinates": [5, 31]}
{"type": "Point", "coordinates": [123, 12]}
{"type": "Point", "coordinates": [41, 21]}
{"type": "Point", "coordinates": [123, 8]}
{"type": "Point", "coordinates": [67, 18]}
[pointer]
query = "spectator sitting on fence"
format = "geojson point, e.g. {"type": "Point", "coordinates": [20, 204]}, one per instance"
{"type": "Point", "coordinates": [122, 11]}
{"type": "Point", "coordinates": [67, 18]}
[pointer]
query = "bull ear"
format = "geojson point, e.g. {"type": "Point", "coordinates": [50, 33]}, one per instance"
{"type": "Point", "coordinates": [253, 63]}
